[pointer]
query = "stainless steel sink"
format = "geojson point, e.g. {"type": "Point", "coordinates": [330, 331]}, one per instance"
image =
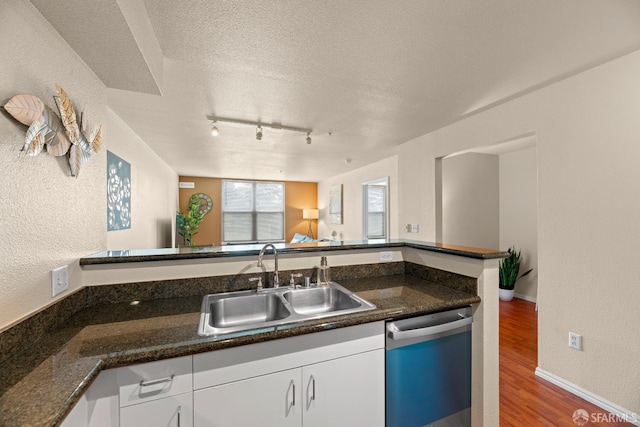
{"type": "Point", "coordinates": [231, 312]}
{"type": "Point", "coordinates": [247, 310]}
{"type": "Point", "coordinates": [313, 301]}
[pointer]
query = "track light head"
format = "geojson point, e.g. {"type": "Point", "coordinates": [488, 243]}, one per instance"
{"type": "Point", "coordinates": [308, 138]}
{"type": "Point", "coordinates": [259, 133]}
{"type": "Point", "coordinates": [214, 129]}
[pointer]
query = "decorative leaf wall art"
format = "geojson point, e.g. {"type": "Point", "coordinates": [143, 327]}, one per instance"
{"type": "Point", "coordinates": [34, 141]}
{"type": "Point", "coordinates": [68, 116]}
{"type": "Point", "coordinates": [56, 139]}
{"type": "Point", "coordinates": [25, 108]}
{"type": "Point", "coordinates": [61, 135]}
{"type": "Point", "coordinates": [96, 139]}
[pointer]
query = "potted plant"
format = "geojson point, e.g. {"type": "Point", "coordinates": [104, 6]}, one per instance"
{"type": "Point", "coordinates": [509, 269]}
{"type": "Point", "coordinates": [189, 222]}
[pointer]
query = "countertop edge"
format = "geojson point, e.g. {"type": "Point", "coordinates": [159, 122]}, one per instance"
{"type": "Point", "coordinates": [186, 253]}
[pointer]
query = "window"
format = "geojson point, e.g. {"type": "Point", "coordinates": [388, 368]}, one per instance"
{"type": "Point", "coordinates": [252, 211]}
{"type": "Point", "coordinates": [375, 209]}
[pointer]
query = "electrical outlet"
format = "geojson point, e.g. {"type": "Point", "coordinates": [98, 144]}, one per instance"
{"type": "Point", "coordinates": [386, 256]}
{"type": "Point", "coordinates": [575, 341]}
{"type": "Point", "coordinates": [59, 280]}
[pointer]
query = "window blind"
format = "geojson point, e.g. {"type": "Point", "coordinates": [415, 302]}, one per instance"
{"type": "Point", "coordinates": [252, 211]}
{"type": "Point", "coordinates": [376, 211]}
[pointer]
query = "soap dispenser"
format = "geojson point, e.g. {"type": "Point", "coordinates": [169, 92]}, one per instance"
{"type": "Point", "coordinates": [324, 276]}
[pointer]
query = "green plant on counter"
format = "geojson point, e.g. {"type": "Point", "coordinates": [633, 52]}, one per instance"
{"type": "Point", "coordinates": [509, 269]}
{"type": "Point", "coordinates": [189, 222]}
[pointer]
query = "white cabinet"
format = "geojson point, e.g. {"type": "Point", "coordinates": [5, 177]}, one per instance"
{"type": "Point", "coordinates": [173, 411]}
{"type": "Point", "coordinates": [98, 407]}
{"type": "Point", "coordinates": [348, 391]}
{"type": "Point", "coordinates": [345, 392]}
{"type": "Point", "coordinates": [154, 380]}
{"type": "Point", "coordinates": [155, 394]}
{"type": "Point", "coordinates": [328, 378]}
{"type": "Point", "coordinates": [267, 400]}
{"type": "Point", "coordinates": [78, 415]}
{"type": "Point", "coordinates": [332, 378]}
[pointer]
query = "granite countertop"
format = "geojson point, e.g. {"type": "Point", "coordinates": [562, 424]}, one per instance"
{"type": "Point", "coordinates": [210, 251]}
{"type": "Point", "coordinates": [39, 386]}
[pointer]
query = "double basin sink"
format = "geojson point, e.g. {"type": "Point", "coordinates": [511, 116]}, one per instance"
{"type": "Point", "coordinates": [231, 312]}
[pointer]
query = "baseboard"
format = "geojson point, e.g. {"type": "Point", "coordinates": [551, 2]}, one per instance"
{"type": "Point", "coordinates": [619, 413]}
{"type": "Point", "coordinates": [526, 297]}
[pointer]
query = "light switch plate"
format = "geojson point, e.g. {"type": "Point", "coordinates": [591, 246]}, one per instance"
{"type": "Point", "coordinates": [412, 228]}
{"type": "Point", "coordinates": [386, 256]}
{"type": "Point", "coordinates": [59, 280]}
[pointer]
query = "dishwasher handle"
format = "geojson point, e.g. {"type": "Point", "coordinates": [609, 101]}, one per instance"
{"type": "Point", "coordinates": [397, 334]}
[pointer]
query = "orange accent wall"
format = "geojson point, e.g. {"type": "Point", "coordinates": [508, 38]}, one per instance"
{"type": "Point", "coordinates": [298, 196]}
{"type": "Point", "coordinates": [210, 230]}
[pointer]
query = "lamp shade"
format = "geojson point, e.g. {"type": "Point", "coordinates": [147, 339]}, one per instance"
{"type": "Point", "coordinates": [310, 214]}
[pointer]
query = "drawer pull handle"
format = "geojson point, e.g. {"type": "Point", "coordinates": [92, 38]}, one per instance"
{"type": "Point", "coordinates": [313, 387]}
{"type": "Point", "coordinates": [144, 383]}
{"type": "Point", "coordinates": [294, 393]}
{"type": "Point", "coordinates": [179, 411]}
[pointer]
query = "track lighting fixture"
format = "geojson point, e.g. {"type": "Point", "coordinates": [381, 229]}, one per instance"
{"type": "Point", "coordinates": [258, 125]}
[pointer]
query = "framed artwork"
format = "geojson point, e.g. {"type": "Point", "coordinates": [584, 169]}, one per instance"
{"type": "Point", "coordinates": [118, 193]}
{"type": "Point", "coordinates": [335, 204]}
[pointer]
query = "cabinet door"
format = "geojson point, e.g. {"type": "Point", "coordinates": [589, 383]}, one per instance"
{"type": "Point", "coordinates": [267, 400]}
{"type": "Point", "coordinates": [345, 392]}
{"type": "Point", "coordinates": [173, 411]}
{"type": "Point", "coordinates": [98, 407]}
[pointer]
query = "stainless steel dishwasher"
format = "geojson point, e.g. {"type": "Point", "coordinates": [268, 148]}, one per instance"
{"type": "Point", "coordinates": [428, 370]}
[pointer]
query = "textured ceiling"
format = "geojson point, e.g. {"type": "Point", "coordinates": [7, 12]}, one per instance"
{"type": "Point", "coordinates": [373, 73]}
{"type": "Point", "coordinates": [116, 42]}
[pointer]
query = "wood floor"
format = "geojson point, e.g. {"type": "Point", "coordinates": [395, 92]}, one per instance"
{"type": "Point", "coordinates": [526, 400]}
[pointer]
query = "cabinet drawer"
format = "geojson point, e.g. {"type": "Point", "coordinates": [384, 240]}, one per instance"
{"type": "Point", "coordinates": [154, 380]}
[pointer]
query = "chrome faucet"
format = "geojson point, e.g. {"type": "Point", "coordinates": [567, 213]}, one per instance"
{"type": "Point", "coordinates": [276, 280]}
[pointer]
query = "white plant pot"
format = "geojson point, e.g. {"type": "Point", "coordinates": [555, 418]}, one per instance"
{"type": "Point", "coordinates": [506, 294]}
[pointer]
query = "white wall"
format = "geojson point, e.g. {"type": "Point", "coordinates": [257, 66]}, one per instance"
{"type": "Point", "coordinates": [588, 202]}
{"type": "Point", "coordinates": [518, 214]}
{"type": "Point", "coordinates": [470, 200]}
{"type": "Point", "coordinates": [154, 190]}
{"type": "Point", "coordinates": [490, 200]}
{"type": "Point", "coordinates": [48, 218]}
{"type": "Point", "coordinates": [351, 228]}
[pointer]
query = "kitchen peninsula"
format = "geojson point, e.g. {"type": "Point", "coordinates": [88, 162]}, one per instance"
{"type": "Point", "coordinates": [142, 306]}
